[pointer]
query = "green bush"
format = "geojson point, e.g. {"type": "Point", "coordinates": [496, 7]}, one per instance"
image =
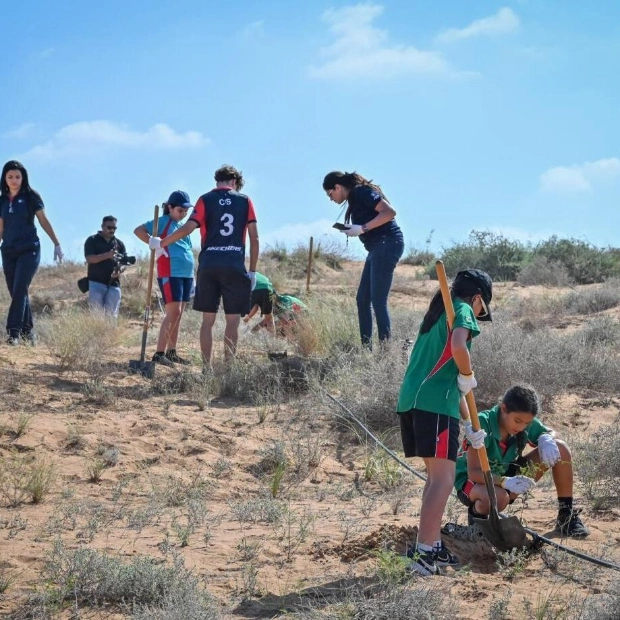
{"type": "Point", "coordinates": [585, 263]}
{"type": "Point", "coordinates": [500, 257]}
{"type": "Point", "coordinates": [553, 262]}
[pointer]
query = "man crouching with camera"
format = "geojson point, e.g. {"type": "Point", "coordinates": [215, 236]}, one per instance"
{"type": "Point", "coordinates": [106, 257]}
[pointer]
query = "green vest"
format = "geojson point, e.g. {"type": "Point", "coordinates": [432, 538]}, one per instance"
{"type": "Point", "coordinates": [288, 303]}
{"type": "Point", "coordinates": [430, 380]}
{"type": "Point", "coordinates": [263, 282]}
{"type": "Point", "coordinates": [500, 453]}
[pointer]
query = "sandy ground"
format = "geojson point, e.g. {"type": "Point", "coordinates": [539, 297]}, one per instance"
{"type": "Point", "coordinates": [170, 441]}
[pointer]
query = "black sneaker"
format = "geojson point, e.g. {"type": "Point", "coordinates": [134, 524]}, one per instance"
{"type": "Point", "coordinates": [12, 341]}
{"type": "Point", "coordinates": [173, 356]}
{"type": "Point", "coordinates": [444, 557]}
{"type": "Point", "coordinates": [570, 524]}
{"type": "Point", "coordinates": [160, 358]}
{"type": "Point", "coordinates": [422, 562]}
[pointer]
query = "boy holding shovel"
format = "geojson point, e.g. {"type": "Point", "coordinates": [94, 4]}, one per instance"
{"type": "Point", "coordinates": [510, 427]}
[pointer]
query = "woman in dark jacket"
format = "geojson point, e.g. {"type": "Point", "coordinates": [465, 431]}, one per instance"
{"type": "Point", "coordinates": [370, 217]}
{"type": "Point", "coordinates": [21, 249]}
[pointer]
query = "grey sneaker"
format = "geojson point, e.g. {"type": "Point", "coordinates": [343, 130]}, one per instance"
{"type": "Point", "coordinates": [29, 338]}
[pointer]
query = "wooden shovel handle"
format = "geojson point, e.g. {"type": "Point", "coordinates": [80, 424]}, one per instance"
{"type": "Point", "coordinates": [149, 287]}
{"type": "Point", "coordinates": [469, 397]}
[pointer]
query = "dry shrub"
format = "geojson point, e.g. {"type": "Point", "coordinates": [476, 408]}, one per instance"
{"type": "Point", "coordinates": [25, 477]}
{"type": "Point", "coordinates": [79, 340]}
{"type": "Point", "coordinates": [330, 324]}
{"type": "Point", "coordinates": [597, 460]}
{"type": "Point", "coordinates": [553, 362]}
{"type": "Point", "coordinates": [96, 580]}
{"type": "Point", "coordinates": [542, 271]}
{"type": "Point", "coordinates": [594, 299]}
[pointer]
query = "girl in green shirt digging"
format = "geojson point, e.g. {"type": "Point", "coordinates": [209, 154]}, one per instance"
{"type": "Point", "coordinates": [510, 427]}
{"type": "Point", "coordinates": [431, 403]}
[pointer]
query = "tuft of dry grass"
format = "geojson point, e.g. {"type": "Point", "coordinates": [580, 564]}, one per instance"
{"type": "Point", "coordinates": [79, 340]}
{"type": "Point", "coordinates": [25, 477]}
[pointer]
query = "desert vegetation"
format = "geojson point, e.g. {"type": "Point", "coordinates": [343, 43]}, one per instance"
{"type": "Point", "coordinates": [249, 494]}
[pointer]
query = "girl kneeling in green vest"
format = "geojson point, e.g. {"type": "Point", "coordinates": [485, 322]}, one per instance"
{"type": "Point", "coordinates": [431, 401]}
{"type": "Point", "coordinates": [510, 427]}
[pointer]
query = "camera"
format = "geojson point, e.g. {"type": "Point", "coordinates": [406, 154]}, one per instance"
{"type": "Point", "coordinates": [122, 260]}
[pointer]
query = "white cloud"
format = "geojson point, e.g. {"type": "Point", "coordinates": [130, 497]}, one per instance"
{"type": "Point", "coordinates": [580, 178]}
{"type": "Point", "coordinates": [361, 49]}
{"type": "Point", "coordinates": [254, 30]}
{"type": "Point", "coordinates": [94, 136]}
{"type": "Point", "coordinates": [18, 133]}
{"type": "Point", "coordinates": [503, 22]}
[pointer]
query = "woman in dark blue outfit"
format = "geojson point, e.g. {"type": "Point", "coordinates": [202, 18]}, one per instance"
{"type": "Point", "coordinates": [370, 217]}
{"type": "Point", "coordinates": [21, 249]}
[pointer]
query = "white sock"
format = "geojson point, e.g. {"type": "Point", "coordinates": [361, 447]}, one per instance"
{"type": "Point", "coordinates": [426, 548]}
{"type": "Point", "coordinates": [437, 545]}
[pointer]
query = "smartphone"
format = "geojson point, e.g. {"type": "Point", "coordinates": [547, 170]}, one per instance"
{"type": "Point", "coordinates": [339, 226]}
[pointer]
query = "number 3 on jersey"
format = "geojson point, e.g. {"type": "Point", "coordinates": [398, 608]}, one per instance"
{"type": "Point", "coordinates": [228, 219]}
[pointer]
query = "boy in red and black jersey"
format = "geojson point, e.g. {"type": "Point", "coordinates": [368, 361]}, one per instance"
{"type": "Point", "coordinates": [225, 218]}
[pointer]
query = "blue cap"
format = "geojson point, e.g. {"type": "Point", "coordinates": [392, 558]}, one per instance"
{"type": "Point", "coordinates": [180, 199]}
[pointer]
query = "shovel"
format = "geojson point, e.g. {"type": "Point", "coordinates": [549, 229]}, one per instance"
{"type": "Point", "coordinates": [503, 533]}
{"type": "Point", "coordinates": [141, 366]}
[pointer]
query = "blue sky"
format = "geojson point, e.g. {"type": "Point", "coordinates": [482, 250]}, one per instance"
{"type": "Point", "coordinates": [470, 114]}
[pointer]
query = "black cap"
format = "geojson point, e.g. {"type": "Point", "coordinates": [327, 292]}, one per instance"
{"type": "Point", "coordinates": [481, 282]}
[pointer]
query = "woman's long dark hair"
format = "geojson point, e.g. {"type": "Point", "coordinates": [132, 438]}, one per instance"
{"type": "Point", "coordinates": [521, 398]}
{"type": "Point", "coordinates": [349, 180]}
{"type": "Point", "coordinates": [14, 165]}
{"type": "Point", "coordinates": [462, 288]}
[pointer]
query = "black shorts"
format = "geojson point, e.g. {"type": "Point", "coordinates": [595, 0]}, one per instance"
{"type": "Point", "coordinates": [429, 435]}
{"type": "Point", "coordinates": [232, 286]}
{"type": "Point", "coordinates": [263, 298]}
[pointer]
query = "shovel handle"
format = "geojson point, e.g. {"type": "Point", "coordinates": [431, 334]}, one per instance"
{"type": "Point", "coordinates": [152, 260]}
{"type": "Point", "coordinates": [149, 290]}
{"type": "Point", "coordinates": [469, 397]}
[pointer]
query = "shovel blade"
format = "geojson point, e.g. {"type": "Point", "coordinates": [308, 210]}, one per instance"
{"type": "Point", "coordinates": [504, 534]}
{"type": "Point", "coordinates": [141, 367]}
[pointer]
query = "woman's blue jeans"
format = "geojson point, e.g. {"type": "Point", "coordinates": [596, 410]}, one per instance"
{"type": "Point", "coordinates": [19, 269]}
{"type": "Point", "coordinates": [374, 288]}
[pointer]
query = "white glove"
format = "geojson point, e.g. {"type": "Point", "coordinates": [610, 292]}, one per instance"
{"type": "Point", "coordinates": [58, 253]}
{"type": "Point", "coordinates": [159, 252]}
{"type": "Point", "coordinates": [354, 230]}
{"type": "Point", "coordinates": [466, 384]}
{"type": "Point", "coordinates": [548, 450]}
{"type": "Point", "coordinates": [518, 484]}
{"type": "Point", "coordinates": [475, 438]}
{"type": "Point", "coordinates": [252, 276]}
{"type": "Point", "coordinates": [155, 243]}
